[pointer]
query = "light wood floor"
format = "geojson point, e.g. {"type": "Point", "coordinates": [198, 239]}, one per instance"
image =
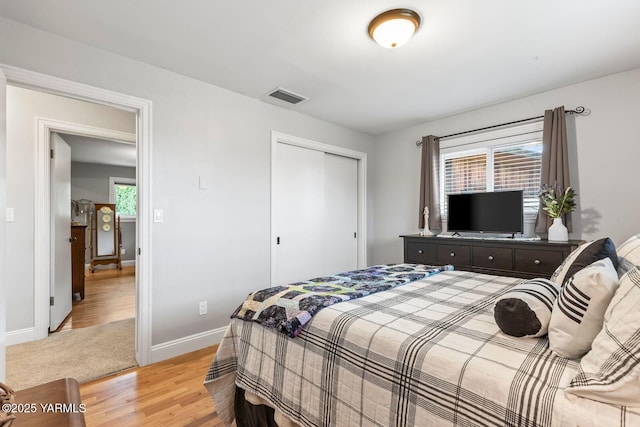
{"type": "Point", "coordinates": [168, 393]}
{"type": "Point", "coordinates": [109, 295]}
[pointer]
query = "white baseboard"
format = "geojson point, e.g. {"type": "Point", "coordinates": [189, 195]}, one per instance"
{"type": "Point", "coordinates": [174, 348]}
{"type": "Point", "coordinates": [20, 336]}
{"type": "Point", "coordinates": [159, 352]}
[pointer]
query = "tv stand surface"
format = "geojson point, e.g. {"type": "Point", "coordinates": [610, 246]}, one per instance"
{"type": "Point", "coordinates": [525, 258]}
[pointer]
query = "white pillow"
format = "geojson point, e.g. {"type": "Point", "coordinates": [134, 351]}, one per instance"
{"type": "Point", "coordinates": [629, 255]}
{"type": "Point", "coordinates": [578, 313]}
{"type": "Point", "coordinates": [610, 372]}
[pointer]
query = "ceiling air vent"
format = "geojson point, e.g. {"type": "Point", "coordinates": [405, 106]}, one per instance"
{"type": "Point", "coordinates": [287, 96]}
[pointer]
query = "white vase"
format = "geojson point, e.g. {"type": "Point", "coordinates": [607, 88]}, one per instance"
{"type": "Point", "coordinates": [558, 232]}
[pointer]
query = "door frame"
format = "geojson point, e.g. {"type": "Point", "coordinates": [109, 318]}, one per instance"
{"type": "Point", "coordinates": [143, 109]}
{"type": "Point", "coordinates": [3, 228]}
{"type": "Point", "coordinates": [360, 157]}
{"type": "Point", "coordinates": [42, 260]}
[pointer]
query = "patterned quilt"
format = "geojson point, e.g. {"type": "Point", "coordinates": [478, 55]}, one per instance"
{"type": "Point", "coordinates": [427, 353]}
{"type": "Point", "coordinates": [288, 308]}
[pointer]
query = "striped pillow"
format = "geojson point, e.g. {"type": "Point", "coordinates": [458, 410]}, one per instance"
{"type": "Point", "coordinates": [525, 310]}
{"type": "Point", "coordinates": [629, 255]}
{"type": "Point", "coordinates": [579, 310]}
{"type": "Point", "coordinates": [610, 372]}
{"type": "Point", "coordinates": [584, 255]}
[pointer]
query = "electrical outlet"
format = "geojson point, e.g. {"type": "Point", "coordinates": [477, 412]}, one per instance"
{"type": "Point", "coordinates": [123, 251]}
{"type": "Point", "coordinates": [203, 308]}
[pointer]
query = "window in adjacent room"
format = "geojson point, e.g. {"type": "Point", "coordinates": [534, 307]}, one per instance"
{"type": "Point", "coordinates": [122, 192]}
{"type": "Point", "coordinates": [503, 159]}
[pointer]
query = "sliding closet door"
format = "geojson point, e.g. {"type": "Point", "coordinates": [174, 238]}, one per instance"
{"type": "Point", "coordinates": [315, 213]}
{"type": "Point", "coordinates": [298, 207]}
{"type": "Point", "coordinates": [340, 213]}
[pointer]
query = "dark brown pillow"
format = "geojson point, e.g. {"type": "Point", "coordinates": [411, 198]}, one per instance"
{"type": "Point", "coordinates": [585, 255]}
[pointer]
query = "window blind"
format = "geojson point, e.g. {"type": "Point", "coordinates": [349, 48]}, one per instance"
{"type": "Point", "coordinates": [509, 159]}
{"type": "Point", "coordinates": [518, 168]}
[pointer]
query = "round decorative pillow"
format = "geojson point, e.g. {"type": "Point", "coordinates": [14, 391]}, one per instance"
{"type": "Point", "coordinates": [525, 310]}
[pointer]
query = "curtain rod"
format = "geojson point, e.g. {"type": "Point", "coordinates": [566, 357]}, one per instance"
{"type": "Point", "coordinates": [579, 110]}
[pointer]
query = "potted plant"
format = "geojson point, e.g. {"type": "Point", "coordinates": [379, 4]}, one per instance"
{"type": "Point", "coordinates": [556, 202]}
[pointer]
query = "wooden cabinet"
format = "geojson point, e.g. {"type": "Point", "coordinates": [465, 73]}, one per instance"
{"type": "Point", "coordinates": [77, 259]}
{"type": "Point", "coordinates": [64, 392]}
{"type": "Point", "coordinates": [503, 257]}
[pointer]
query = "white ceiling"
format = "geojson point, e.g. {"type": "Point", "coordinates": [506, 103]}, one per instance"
{"type": "Point", "coordinates": [467, 53]}
{"type": "Point", "coordinates": [101, 151]}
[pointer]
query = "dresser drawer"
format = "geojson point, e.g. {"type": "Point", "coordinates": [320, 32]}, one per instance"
{"type": "Point", "coordinates": [540, 262]}
{"type": "Point", "coordinates": [420, 253]}
{"type": "Point", "coordinates": [454, 254]}
{"type": "Point", "coordinates": [488, 257]}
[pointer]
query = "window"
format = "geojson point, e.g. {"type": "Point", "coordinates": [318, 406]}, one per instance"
{"type": "Point", "coordinates": [122, 192]}
{"type": "Point", "coordinates": [504, 159]}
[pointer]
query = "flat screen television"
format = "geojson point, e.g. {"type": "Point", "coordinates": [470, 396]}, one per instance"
{"type": "Point", "coordinates": [490, 212]}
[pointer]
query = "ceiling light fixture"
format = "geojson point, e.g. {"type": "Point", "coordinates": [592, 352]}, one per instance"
{"type": "Point", "coordinates": [394, 28]}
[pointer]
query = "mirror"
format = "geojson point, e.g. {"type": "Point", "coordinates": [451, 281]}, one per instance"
{"type": "Point", "coordinates": [105, 231]}
{"type": "Point", "coordinates": [105, 236]}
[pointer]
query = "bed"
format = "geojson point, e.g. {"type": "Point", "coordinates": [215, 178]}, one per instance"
{"type": "Point", "coordinates": [427, 353]}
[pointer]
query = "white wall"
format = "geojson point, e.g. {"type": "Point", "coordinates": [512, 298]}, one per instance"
{"type": "Point", "coordinates": [213, 244]}
{"type": "Point", "coordinates": [603, 159]}
{"type": "Point", "coordinates": [23, 107]}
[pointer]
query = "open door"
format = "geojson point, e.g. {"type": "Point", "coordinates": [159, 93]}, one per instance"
{"type": "Point", "coordinates": [60, 232]}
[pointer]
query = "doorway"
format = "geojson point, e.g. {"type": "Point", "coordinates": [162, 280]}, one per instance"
{"type": "Point", "coordinates": [41, 250]}
{"type": "Point", "coordinates": [102, 171]}
{"type": "Point", "coordinates": [53, 112]}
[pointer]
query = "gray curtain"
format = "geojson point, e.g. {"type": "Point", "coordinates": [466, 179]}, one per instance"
{"type": "Point", "coordinates": [430, 183]}
{"type": "Point", "coordinates": [555, 161]}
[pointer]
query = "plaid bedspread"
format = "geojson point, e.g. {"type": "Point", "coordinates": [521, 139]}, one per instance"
{"type": "Point", "coordinates": [288, 308]}
{"type": "Point", "coordinates": [424, 354]}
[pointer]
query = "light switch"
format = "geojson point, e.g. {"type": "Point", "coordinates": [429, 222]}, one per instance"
{"type": "Point", "coordinates": [158, 215]}
{"type": "Point", "coordinates": [202, 182]}
{"type": "Point", "coordinates": [9, 215]}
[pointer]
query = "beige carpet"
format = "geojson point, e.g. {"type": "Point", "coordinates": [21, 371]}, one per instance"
{"type": "Point", "coordinates": [84, 354]}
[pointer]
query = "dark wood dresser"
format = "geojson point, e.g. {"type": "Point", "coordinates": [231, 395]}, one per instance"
{"type": "Point", "coordinates": [503, 257]}
{"type": "Point", "coordinates": [78, 249]}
